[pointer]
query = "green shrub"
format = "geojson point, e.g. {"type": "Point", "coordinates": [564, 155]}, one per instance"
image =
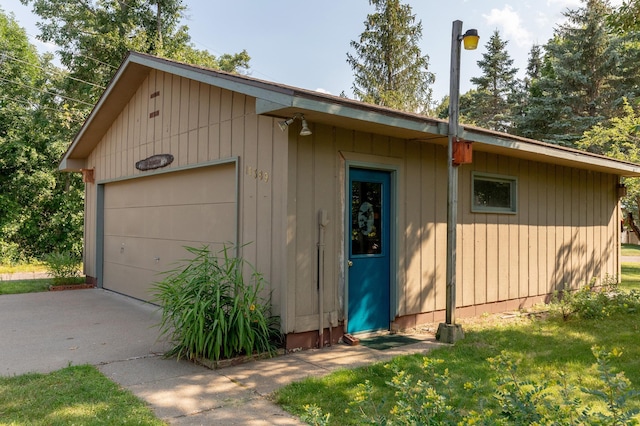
{"type": "Point", "coordinates": [9, 253]}
{"type": "Point", "coordinates": [210, 312]}
{"type": "Point", "coordinates": [63, 267]}
{"type": "Point", "coordinates": [596, 302]}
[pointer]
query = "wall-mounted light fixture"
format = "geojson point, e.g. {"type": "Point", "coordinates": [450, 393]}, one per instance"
{"type": "Point", "coordinates": [305, 131]}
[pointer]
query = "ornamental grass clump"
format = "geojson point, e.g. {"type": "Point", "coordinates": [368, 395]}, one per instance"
{"type": "Point", "coordinates": [63, 267]}
{"type": "Point", "coordinates": [212, 310]}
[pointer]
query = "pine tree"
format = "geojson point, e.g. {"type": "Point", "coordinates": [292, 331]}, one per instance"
{"type": "Point", "coordinates": [529, 89]}
{"type": "Point", "coordinates": [496, 94]}
{"type": "Point", "coordinates": [574, 90]}
{"type": "Point", "coordinates": [389, 68]}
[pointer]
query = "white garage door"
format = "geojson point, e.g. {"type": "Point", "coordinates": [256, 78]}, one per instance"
{"type": "Point", "coordinates": [148, 221]}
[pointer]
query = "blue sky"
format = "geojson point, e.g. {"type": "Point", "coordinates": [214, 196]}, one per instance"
{"type": "Point", "coordinates": [304, 44]}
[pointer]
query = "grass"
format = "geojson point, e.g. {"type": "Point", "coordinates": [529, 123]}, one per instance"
{"type": "Point", "coordinates": [31, 286]}
{"type": "Point", "coordinates": [23, 267]}
{"type": "Point", "coordinates": [543, 348]}
{"type": "Point", "coordinates": [630, 250]}
{"type": "Point", "coordinates": [73, 395]}
{"type": "Point", "coordinates": [24, 286]}
{"type": "Point", "coordinates": [631, 276]}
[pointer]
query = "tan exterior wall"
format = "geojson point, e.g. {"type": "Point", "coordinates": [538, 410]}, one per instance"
{"type": "Point", "coordinates": [565, 229]}
{"type": "Point", "coordinates": [200, 124]}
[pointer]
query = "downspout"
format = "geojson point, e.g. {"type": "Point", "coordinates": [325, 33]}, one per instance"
{"type": "Point", "coordinates": [322, 224]}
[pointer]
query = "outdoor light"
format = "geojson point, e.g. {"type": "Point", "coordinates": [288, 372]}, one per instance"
{"type": "Point", "coordinates": [470, 40]}
{"type": "Point", "coordinates": [305, 131]}
{"type": "Point", "coordinates": [449, 331]}
{"type": "Point", "coordinates": [305, 127]}
{"type": "Point", "coordinates": [285, 123]}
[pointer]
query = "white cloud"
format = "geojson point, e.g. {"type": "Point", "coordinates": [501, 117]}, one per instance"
{"type": "Point", "coordinates": [510, 24]}
{"type": "Point", "coordinates": [321, 90]}
{"type": "Point", "coordinates": [564, 3]}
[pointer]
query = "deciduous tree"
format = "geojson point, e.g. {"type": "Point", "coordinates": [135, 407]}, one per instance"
{"type": "Point", "coordinates": [94, 36]}
{"type": "Point", "coordinates": [40, 208]}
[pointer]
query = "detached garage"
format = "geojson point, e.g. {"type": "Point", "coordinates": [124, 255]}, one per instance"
{"type": "Point", "coordinates": [340, 205]}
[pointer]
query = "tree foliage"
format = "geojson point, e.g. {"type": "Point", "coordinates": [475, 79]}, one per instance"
{"type": "Point", "coordinates": [620, 139]}
{"type": "Point", "coordinates": [389, 68]}
{"type": "Point", "coordinates": [490, 105]}
{"type": "Point", "coordinates": [574, 91]}
{"type": "Point", "coordinates": [94, 36]}
{"type": "Point", "coordinates": [40, 208]}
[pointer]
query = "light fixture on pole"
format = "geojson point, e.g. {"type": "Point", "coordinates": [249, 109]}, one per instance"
{"type": "Point", "coordinates": [449, 331]}
{"type": "Point", "coordinates": [305, 131]}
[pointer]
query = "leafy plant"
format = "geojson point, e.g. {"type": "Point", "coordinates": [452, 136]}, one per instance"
{"type": "Point", "coordinates": [63, 267]}
{"type": "Point", "coordinates": [210, 312]}
{"type": "Point", "coordinates": [314, 416]}
{"type": "Point", "coordinates": [616, 391]}
{"type": "Point", "coordinates": [596, 302]}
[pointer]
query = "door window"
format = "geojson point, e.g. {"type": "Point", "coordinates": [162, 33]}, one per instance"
{"type": "Point", "coordinates": [366, 218]}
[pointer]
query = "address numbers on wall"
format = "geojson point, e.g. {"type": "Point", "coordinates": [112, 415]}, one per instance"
{"type": "Point", "coordinates": [257, 174]}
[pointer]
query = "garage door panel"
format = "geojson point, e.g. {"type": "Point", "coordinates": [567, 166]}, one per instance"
{"type": "Point", "coordinates": [124, 279]}
{"type": "Point", "coordinates": [149, 221]}
{"type": "Point", "coordinates": [164, 189]}
{"type": "Point", "coordinates": [216, 222]}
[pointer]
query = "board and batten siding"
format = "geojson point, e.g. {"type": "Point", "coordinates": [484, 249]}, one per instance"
{"type": "Point", "coordinates": [564, 231]}
{"type": "Point", "coordinates": [199, 125]}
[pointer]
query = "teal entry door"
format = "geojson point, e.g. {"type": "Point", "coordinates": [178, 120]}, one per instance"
{"type": "Point", "coordinates": [369, 286]}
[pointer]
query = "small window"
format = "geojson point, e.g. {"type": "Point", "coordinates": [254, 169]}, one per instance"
{"type": "Point", "coordinates": [493, 193]}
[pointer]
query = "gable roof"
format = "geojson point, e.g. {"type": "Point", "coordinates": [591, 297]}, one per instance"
{"type": "Point", "coordinates": [283, 101]}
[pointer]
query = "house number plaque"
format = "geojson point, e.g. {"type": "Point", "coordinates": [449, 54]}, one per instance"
{"type": "Point", "coordinates": [257, 174]}
{"type": "Point", "coordinates": [154, 162]}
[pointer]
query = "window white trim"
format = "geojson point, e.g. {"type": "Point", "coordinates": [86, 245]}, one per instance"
{"type": "Point", "coordinates": [512, 181]}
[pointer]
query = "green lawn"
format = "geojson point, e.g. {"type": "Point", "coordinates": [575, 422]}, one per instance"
{"type": "Point", "coordinates": [78, 395]}
{"type": "Point", "coordinates": [631, 276]}
{"type": "Point", "coordinates": [630, 250]}
{"type": "Point", "coordinates": [543, 347]}
{"type": "Point", "coordinates": [24, 286]}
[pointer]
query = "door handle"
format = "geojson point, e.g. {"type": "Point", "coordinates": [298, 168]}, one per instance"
{"type": "Point", "coordinates": [350, 263]}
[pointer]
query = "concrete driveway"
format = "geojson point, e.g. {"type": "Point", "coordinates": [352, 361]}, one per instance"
{"type": "Point", "coordinates": [43, 332]}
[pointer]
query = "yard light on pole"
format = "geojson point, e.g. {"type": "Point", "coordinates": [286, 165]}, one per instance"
{"type": "Point", "coordinates": [449, 331]}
